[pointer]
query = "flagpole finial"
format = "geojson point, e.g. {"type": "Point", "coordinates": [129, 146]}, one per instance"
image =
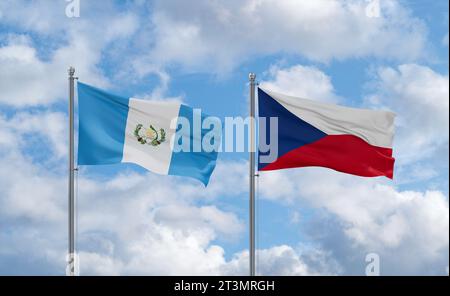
{"type": "Point", "coordinates": [252, 76]}
{"type": "Point", "coordinates": [71, 71]}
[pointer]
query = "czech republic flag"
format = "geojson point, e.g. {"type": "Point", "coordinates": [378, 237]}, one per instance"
{"type": "Point", "coordinates": [311, 133]}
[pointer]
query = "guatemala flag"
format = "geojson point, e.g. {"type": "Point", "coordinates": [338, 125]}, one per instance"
{"type": "Point", "coordinates": [310, 133]}
{"type": "Point", "coordinates": [164, 137]}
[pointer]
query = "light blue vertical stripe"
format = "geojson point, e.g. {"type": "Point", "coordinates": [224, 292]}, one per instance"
{"type": "Point", "coordinates": [102, 122]}
{"type": "Point", "coordinates": [198, 165]}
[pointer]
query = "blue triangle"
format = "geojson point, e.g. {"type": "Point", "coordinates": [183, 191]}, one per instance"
{"type": "Point", "coordinates": [293, 132]}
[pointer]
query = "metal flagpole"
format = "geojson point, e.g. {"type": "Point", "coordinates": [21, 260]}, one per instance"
{"type": "Point", "coordinates": [71, 255]}
{"type": "Point", "coordinates": [252, 78]}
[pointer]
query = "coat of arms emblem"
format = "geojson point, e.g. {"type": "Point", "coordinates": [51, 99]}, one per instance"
{"type": "Point", "coordinates": [150, 136]}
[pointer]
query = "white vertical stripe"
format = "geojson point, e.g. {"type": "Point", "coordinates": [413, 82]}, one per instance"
{"type": "Point", "coordinates": [375, 127]}
{"type": "Point", "coordinates": [159, 115]}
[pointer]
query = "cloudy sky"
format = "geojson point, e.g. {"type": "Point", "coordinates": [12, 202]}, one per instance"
{"type": "Point", "coordinates": [311, 221]}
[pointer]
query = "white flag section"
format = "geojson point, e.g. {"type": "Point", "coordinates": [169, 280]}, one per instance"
{"type": "Point", "coordinates": [156, 158]}
{"type": "Point", "coordinates": [374, 126]}
{"type": "Point", "coordinates": [159, 136]}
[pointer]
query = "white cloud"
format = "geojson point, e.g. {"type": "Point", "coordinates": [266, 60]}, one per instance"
{"type": "Point", "coordinates": [27, 80]}
{"type": "Point", "coordinates": [27, 193]}
{"type": "Point", "coordinates": [156, 249]}
{"type": "Point", "coordinates": [420, 97]}
{"type": "Point", "coordinates": [161, 236]}
{"type": "Point", "coordinates": [33, 15]}
{"type": "Point", "coordinates": [33, 74]}
{"type": "Point", "coordinates": [374, 216]}
{"type": "Point", "coordinates": [49, 18]}
{"type": "Point", "coordinates": [182, 217]}
{"type": "Point", "coordinates": [210, 35]}
{"type": "Point", "coordinates": [26, 189]}
{"type": "Point", "coordinates": [218, 36]}
{"type": "Point", "coordinates": [51, 125]}
{"type": "Point", "coordinates": [301, 81]}
{"type": "Point", "coordinates": [274, 261]}
{"type": "Point", "coordinates": [285, 260]}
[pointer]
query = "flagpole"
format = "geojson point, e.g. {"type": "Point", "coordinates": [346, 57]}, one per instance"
{"type": "Point", "coordinates": [71, 255]}
{"type": "Point", "coordinates": [252, 78]}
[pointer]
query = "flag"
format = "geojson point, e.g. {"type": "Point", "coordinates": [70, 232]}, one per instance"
{"type": "Point", "coordinates": [115, 129]}
{"type": "Point", "coordinates": [311, 133]}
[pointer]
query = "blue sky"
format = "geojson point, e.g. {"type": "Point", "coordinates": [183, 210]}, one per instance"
{"type": "Point", "coordinates": [311, 221]}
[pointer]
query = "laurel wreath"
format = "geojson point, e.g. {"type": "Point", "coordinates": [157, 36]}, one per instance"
{"type": "Point", "coordinates": [160, 136]}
